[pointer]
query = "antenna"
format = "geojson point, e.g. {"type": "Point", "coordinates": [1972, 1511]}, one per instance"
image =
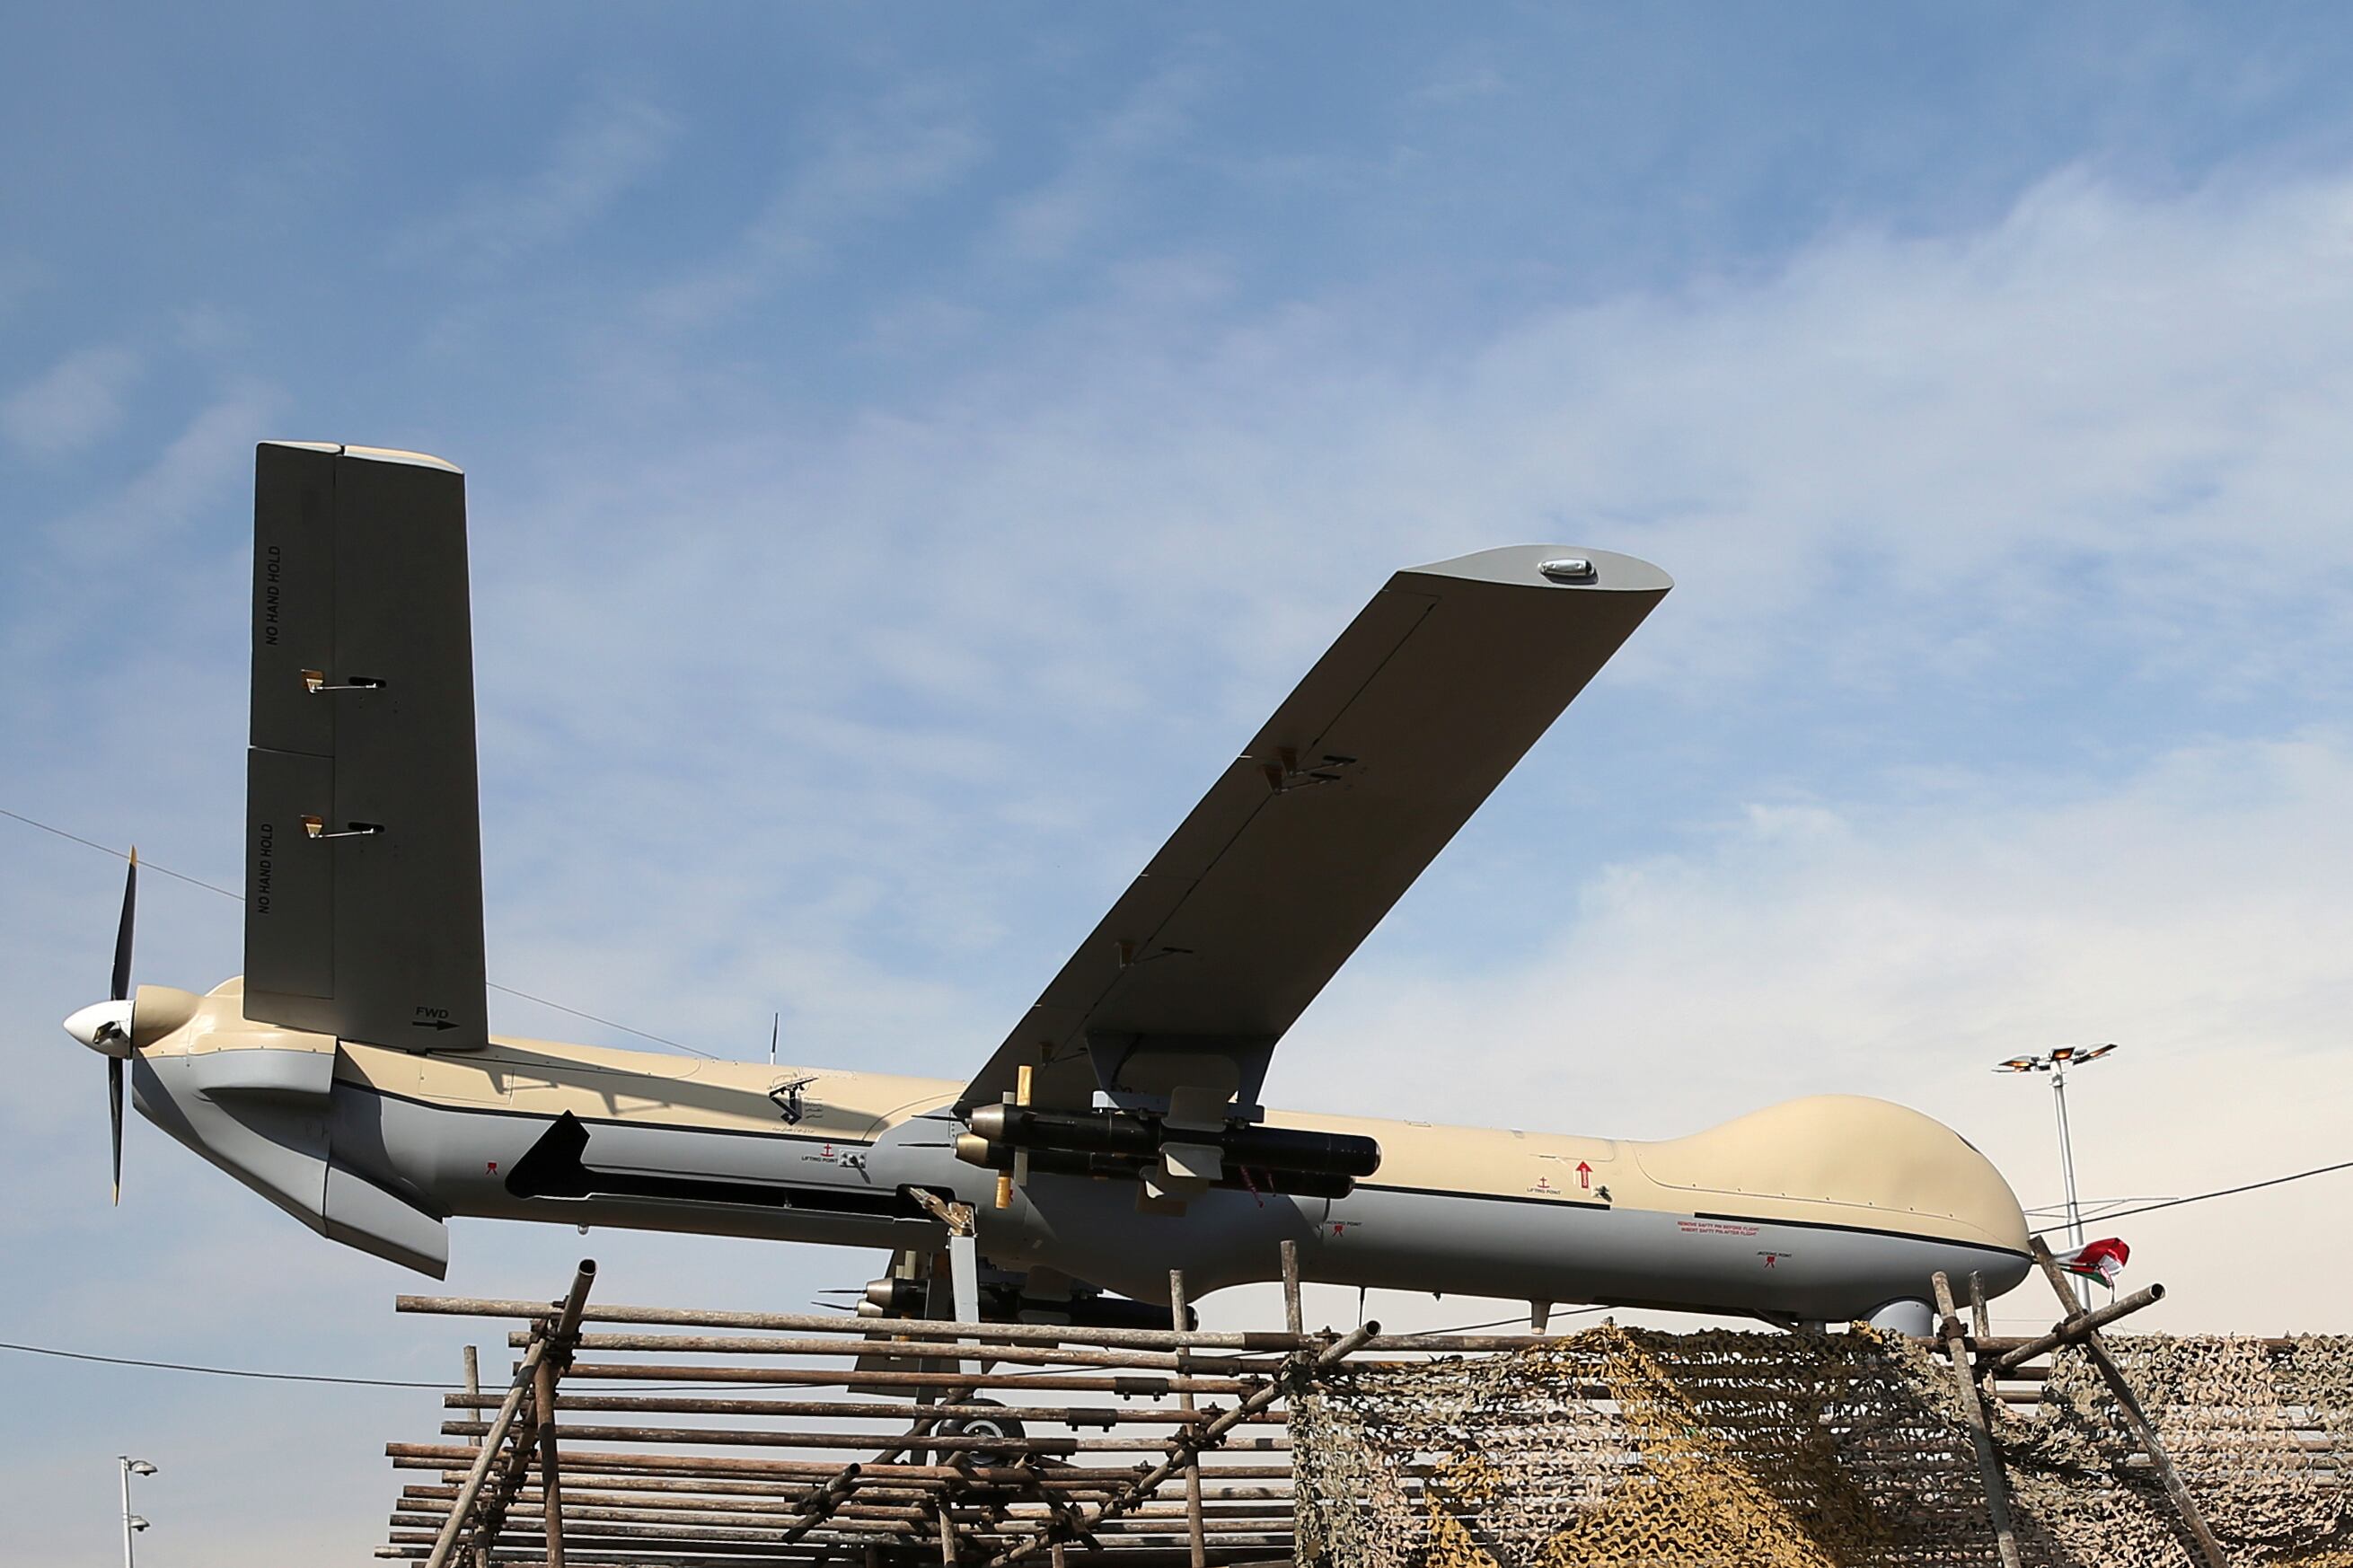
{"type": "Point", "coordinates": [775, 1022]}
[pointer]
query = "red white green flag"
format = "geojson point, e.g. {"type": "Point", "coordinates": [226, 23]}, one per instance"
{"type": "Point", "coordinates": [2101, 1261]}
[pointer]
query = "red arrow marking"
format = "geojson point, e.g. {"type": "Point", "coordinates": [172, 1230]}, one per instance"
{"type": "Point", "coordinates": [1584, 1175]}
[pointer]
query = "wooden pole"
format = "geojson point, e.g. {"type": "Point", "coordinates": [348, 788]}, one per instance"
{"type": "Point", "coordinates": [549, 1482]}
{"type": "Point", "coordinates": [1127, 1385]}
{"type": "Point", "coordinates": [1200, 1537]}
{"type": "Point", "coordinates": [568, 1315]}
{"type": "Point", "coordinates": [2077, 1327]}
{"type": "Point", "coordinates": [1187, 1449]}
{"type": "Point", "coordinates": [2129, 1405]}
{"type": "Point", "coordinates": [1294, 1318]}
{"type": "Point", "coordinates": [477, 1556]}
{"type": "Point", "coordinates": [1103, 1415]}
{"type": "Point", "coordinates": [1997, 1485]}
{"type": "Point", "coordinates": [1980, 1315]}
{"type": "Point", "coordinates": [472, 1487]}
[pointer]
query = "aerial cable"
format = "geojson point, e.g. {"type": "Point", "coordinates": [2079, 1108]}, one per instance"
{"type": "Point", "coordinates": [225, 893]}
{"type": "Point", "coordinates": [218, 1370]}
{"type": "Point", "coordinates": [2223, 1191]}
{"type": "Point", "coordinates": [699, 1385]}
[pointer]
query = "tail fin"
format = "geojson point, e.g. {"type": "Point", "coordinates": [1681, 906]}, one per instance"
{"type": "Point", "coordinates": [364, 846]}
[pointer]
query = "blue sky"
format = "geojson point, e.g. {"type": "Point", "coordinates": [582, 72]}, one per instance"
{"type": "Point", "coordinates": [908, 448]}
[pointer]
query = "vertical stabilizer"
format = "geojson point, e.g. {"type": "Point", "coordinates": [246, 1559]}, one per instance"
{"type": "Point", "coordinates": [364, 850]}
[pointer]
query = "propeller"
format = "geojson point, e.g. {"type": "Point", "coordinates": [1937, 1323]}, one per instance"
{"type": "Point", "coordinates": [120, 990]}
{"type": "Point", "coordinates": [105, 1026]}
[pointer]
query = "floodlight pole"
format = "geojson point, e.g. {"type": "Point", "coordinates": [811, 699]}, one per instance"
{"type": "Point", "coordinates": [2066, 1153]}
{"type": "Point", "coordinates": [129, 1526]}
{"type": "Point", "coordinates": [2056, 1063]}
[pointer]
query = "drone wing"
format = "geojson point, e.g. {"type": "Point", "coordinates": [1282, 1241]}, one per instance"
{"type": "Point", "coordinates": [1365, 771]}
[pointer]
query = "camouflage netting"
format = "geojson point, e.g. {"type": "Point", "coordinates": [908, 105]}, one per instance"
{"type": "Point", "coordinates": [1626, 1447]}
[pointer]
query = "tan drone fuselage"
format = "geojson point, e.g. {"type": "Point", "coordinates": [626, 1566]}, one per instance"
{"type": "Point", "coordinates": [1823, 1208]}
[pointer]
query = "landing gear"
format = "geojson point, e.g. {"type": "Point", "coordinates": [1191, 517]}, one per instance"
{"type": "Point", "coordinates": [1004, 1427]}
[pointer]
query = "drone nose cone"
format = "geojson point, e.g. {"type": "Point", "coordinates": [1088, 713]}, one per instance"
{"type": "Point", "coordinates": [104, 1028]}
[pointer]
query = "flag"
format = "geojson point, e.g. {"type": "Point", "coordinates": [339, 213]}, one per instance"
{"type": "Point", "coordinates": [2101, 1261]}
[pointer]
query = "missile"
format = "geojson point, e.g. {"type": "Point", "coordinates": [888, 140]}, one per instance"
{"type": "Point", "coordinates": [889, 1298]}
{"type": "Point", "coordinates": [1115, 1132]}
{"type": "Point", "coordinates": [992, 1155]}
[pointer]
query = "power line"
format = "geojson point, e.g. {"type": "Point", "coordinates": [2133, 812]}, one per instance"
{"type": "Point", "coordinates": [119, 855]}
{"type": "Point", "coordinates": [674, 1045]}
{"type": "Point", "coordinates": [1010, 1378]}
{"type": "Point", "coordinates": [218, 1370]}
{"type": "Point", "coordinates": [225, 893]}
{"type": "Point", "coordinates": [1500, 1323]}
{"type": "Point", "coordinates": [2225, 1191]}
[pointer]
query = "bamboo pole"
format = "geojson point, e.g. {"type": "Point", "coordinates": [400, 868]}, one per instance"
{"type": "Point", "coordinates": [1127, 1359]}
{"type": "Point", "coordinates": [1186, 1449]}
{"type": "Point", "coordinates": [1196, 1532]}
{"type": "Point", "coordinates": [2128, 1404]}
{"type": "Point", "coordinates": [823, 1502]}
{"type": "Point", "coordinates": [959, 1442]}
{"type": "Point", "coordinates": [2075, 1327]}
{"type": "Point", "coordinates": [476, 1557]}
{"type": "Point", "coordinates": [550, 1478]}
{"type": "Point", "coordinates": [1127, 1385]}
{"type": "Point", "coordinates": [753, 1499]}
{"type": "Point", "coordinates": [438, 1455]}
{"type": "Point", "coordinates": [1996, 1484]}
{"type": "Point", "coordinates": [1293, 1316]}
{"type": "Point", "coordinates": [903, 1328]}
{"type": "Point", "coordinates": [446, 1542]}
{"type": "Point", "coordinates": [1105, 1417]}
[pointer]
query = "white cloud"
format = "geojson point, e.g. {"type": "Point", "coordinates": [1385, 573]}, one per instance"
{"type": "Point", "coordinates": [75, 401]}
{"type": "Point", "coordinates": [2194, 914]}
{"type": "Point", "coordinates": [611, 145]}
{"type": "Point", "coordinates": [195, 470]}
{"type": "Point", "coordinates": [1095, 183]}
{"type": "Point", "coordinates": [850, 170]}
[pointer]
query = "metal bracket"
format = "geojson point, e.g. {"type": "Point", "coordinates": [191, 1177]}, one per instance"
{"type": "Point", "coordinates": [1284, 773]}
{"type": "Point", "coordinates": [316, 827]}
{"type": "Point", "coordinates": [315, 682]}
{"type": "Point", "coordinates": [956, 1216]}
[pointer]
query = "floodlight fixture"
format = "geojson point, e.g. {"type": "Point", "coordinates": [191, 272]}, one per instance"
{"type": "Point", "coordinates": [132, 1523]}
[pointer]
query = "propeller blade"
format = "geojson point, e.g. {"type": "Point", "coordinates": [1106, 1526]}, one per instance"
{"type": "Point", "coordinates": [121, 987]}
{"type": "Point", "coordinates": [114, 1111]}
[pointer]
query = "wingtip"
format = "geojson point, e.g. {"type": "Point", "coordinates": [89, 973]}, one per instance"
{"type": "Point", "coordinates": [1556, 566]}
